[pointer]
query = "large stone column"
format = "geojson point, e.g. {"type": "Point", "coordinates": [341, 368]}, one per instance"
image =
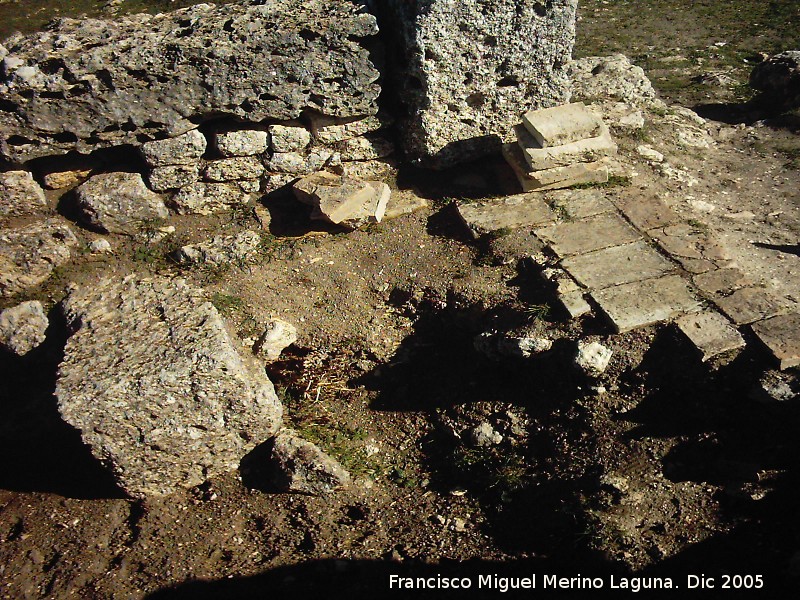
{"type": "Point", "coordinates": [467, 69]}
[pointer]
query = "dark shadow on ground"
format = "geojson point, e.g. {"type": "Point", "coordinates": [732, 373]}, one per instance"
{"type": "Point", "coordinates": [785, 248]}
{"type": "Point", "coordinates": [748, 113]}
{"type": "Point", "coordinates": [39, 452]}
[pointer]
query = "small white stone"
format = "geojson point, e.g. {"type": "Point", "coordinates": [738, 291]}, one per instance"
{"type": "Point", "coordinates": [23, 327]}
{"type": "Point", "coordinates": [484, 435]}
{"type": "Point", "coordinates": [649, 153]}
{"type": "Point", "coordinates": [592, 358]}
{"type": "Point", "coordinates": [100, 246]}
{"type": "Point", "coordinates": [276, 337]}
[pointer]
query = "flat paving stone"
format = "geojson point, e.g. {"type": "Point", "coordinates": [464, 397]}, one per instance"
{"type": "Point", "coordinates": [721, 281]}
{"type": "Point", "coordinates": [697, 251]}
{"type": "Point", "coordinates": [781, 335]}
{"type": "Point", "coordinates": [647, 212]}
{"type": "Point", "coordinates": [587, 235]}
{"type": "Point", "coordinates": [751, 304]}
{"type": "Point", "coordinates": [617, 265]}
{"type": "Point", "coordinates": [643, 303]}
{"type": "Point", "coordinates": [575, 304]}
{"type": "Point", "coordinates": [522, 210]}
{"type": "Point", "coordinates": [579, 204]}
{"type": "Point", "coordinates": [711, 333]}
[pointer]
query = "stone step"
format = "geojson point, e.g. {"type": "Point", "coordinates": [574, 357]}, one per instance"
{"type": "Point", "coordinates": [552, 179]}
{"type": "Point", "coordinates": [562, 124]}
{"type": "Point", "coordinates": [582, 151]}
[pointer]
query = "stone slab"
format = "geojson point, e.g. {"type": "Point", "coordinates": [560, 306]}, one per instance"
{"type": "Point", "coordinates": [617, 265]}
{"type": "Point", "coordinates": [721, 281]}
{"type": "Point", "coordinates": [596, 173]}
{"type": "Point", "coordinates": [643, 303]}
{"type": "Point", "coordinates": [594, 233]}
{"type": "Point", "coordinates": [572, 174]}
{"type": "Point", "coordinates": [505, 213]}
{"type": "Point", "coordinates": [781, 335]}
{"type": "Point", "coordinates": [750, 304]}
{"type": "Point", "coordinates": [575, 304]}
{"type": "Point", "coordinates": [562, 124]}
{"type": "Point", "coordinates": [579, 204]}
{"type": "Point", "coordinates": [711, 333]}
{"type": "Point", "coordinates": [647, 212]}
{"type": "Point", "coordinates": [582, 151]}
{"type": "Point", "coordinates": [696, 250]}
{"type": "Point", "coordinates": [404, 204]}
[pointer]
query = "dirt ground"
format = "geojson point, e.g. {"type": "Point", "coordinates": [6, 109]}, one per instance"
{"type": "Point", "coordinates": [661, 468]}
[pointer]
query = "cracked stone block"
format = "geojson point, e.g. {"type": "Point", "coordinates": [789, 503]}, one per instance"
{"type": "Point", "coordinates": [617, 265]}
{"type": "Point", "coordinates": [241, 142]}
{"type": "Point", "coordinates": [505, 213]}
{"type": "Point", "coordinates": [594, 233]}
{"type": "Point", "coordinates": [561, 125]}
{"type": "Point", "coordinates": [641, 303]}
{"type": "Point", "coordinates": [343, 201]}
{"type": "Point", "coordinates": [560, 177]}
{"type": "Point", "coordinates": [721, 281]}
{"type": "Point", "coordinates": [647, 212]}
{"type": "Point", "coordinates": [581, 151]}
{"type": "Point", "coordinates": [697, 251]}
{"type": "Point", "coordinates": [579, 204]}
{"type": "Point", "coordinates": [711, 333]}
{"type": "Point", "coordinates": [750, 304]}
{"type": "Point", "coordinates": [781, 335]}
{"type": "Point", "coordinates": [467, 69]}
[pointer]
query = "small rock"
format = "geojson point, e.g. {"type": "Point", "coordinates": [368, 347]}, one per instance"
{"type": "Point", "coordinates": [458, 525]}
{"type": "Point", "coordinates": [649, 153]}
{"type": "Point", "coordinates": [99, 246]}
{"type": "Point", "coordinates": [343, 201]}
{"type": "Point", "coordinates": [497, 346]}
{"type": "Point", "coordinates": [222, 250]}
{"type": "Point", "coordinates": [118, 202]}
{"type": "Point", "coordinates": [288, 139]}
{"type": "Point", "coordinates": [58, 180]}
{"type": "Point", "coordinates": [180, 150]}
{"type": "Point", "coordinates": [484, 435]}
{"type": "Point", "coordinates": [242, 142]}
{"type": "Point", "coordinates": [277, 336]}
{"type": "Point", "coordinates": [23, 327]}
{"type": "Point", "coordinates": [20, 194]}
{"type": "Point", "coordinates": [592, 358]}
{"type": "Point", "coordinates": [774, 386]}
{"type": "Point", "coordinates": [302, 467]}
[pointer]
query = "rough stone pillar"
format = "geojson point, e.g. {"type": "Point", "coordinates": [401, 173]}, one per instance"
{"type": "Point", "coordinates": [467, 69]}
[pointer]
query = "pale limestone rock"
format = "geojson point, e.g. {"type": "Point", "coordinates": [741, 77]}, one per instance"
{"type": "Point", "coordinates": [180, 150]}
{"type": "Point", "coordinates": [242, 142]}
{"type": "Point", "coordinates": [118, 202]}
{"type": "Point", "coordinates": [300, 466]}
{"type": "Point", "coordinates": [23, 327]}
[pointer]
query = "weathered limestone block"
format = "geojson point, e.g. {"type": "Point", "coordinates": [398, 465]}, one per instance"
{"type": "Point", "coordinates": [614, 77]}
{"type": "Point", "coordinates": [365, 147]}
{"type": "Point", "coordinates": [20, 194]}
{"type": "Point", "coordinates": [342, 200]}
{"type": "Point", "coordinates": [300, 466]}
{"type": "Point", "coordinates": [157, 76]}
{"type": "Point", "coordinates": [118, 202]}
{"type": "Point", "coordinates": [207, 198]}
{"type": "Point", "coordinates": [329, 130]}
{"type": "Point", "coordinates": [470, 68]}
{"type": "Point", "coordinates": [155, 385]}
{"type": "Point", "coordinates": [242, 142]}
{"type": "Point", "coordinates": [183, 149]}
{"type": "Point", "coordinates": [23, 327]}
{"type": "Point", "coordinates": [222, 250]}
{"type": "Point", "coordinates": [173, 177]}
{"type": "Point", "coordinates": [28, 255]}
{"type": "Point", "coordinates": [234, 169]}
{"type": "Point", "coordinates": [287, 138]}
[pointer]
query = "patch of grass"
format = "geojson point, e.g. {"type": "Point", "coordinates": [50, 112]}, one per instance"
{"type": "Point", "coordinates": [226, 303]}
{"type": "Point", "coordinates": [537, 312]}
{"type": "Point", "coordinates": [699, 225]}
{"type": "Point", "coordinates": [345, 445]}
{"type": "Point", "coordinates": [613, 181]}
{"type": "Point", "coordinates": [491, 468]}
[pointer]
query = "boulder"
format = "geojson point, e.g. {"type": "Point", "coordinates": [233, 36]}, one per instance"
{"type": "Point", "coordinates": [778, 79]}
{"type": "Point", "coordinates": [300, 466]}
{"type": "Point", "coordinates": [23, 327]}
{"type": "Point", "coordinates": [147, 76]}
{"type": "Point", "coordinates": [483, 435]}
{"type": "Point", "coordinates": [20, 194]}
{"type": "Point", "coordinates": [29, 254]}
{"type": "Point", "coordinates": [154, 383]}
{"type": "Point", "coordinates": [118, 203]}
{"type": "Point", "coordinates": [468, 69]}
